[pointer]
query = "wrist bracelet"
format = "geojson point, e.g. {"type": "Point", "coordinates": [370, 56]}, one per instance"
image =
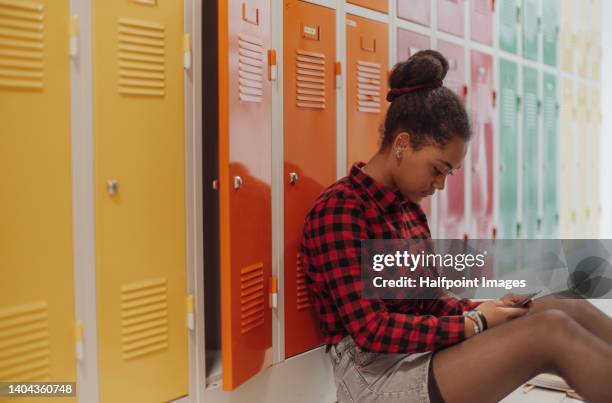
{"type": "Point", "coordinates": [476, 328]}
{"type": "Point", "coordinates": [483, 319]}
{"type": "Point", "coordinates": [473, 315]}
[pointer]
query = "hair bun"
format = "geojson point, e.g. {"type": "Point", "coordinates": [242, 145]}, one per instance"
{"type": "Point", "coordinates": [422, 67]}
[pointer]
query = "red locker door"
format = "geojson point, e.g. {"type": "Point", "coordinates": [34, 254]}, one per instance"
{"type": "Point", "coordinates": [451, 201]}
{"type": "Point", "coordinates": [310, 150]}
{"type": "Point", "coordinates": [450, 16]}
{"type": "Point", "coordinates": [377, 5]}
{"type": "Point", "coordinates": [367, 65]}
{"type": "Point", "coordinates": [481, 17]}
{"type": "Point", "coordinates": [481, 108]}
{"type": "Point", "coordinates": [418, 11]}
{"type": "Point", "coordinates": [408, 43]}
{"type": "Point", "coordinates": [244, 187]}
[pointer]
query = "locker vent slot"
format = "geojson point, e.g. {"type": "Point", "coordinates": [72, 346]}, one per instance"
{"type": "Point", "coordinates": [24, 342]}
{"type": "Point", "coordinates": [142, 57]}
{"type": "Point", "coordinates": [368, 87]}
{"type": "Point", "coordinates": [310, 79]}
{"type": "Point", "coordinates": [251, 297]}
{"type": "Point", "coordinates": [531, 104]}
{"type": "Point", "coordinates": [144, 318]}
{"type": "Point", "coordinates": [303, 298]}
{"type": "Point", "coordinates": [21, 44]}
{"type": "Point", "coordinates": [508, 113]}
{"type": "Point", "coordinates": [250, 68]}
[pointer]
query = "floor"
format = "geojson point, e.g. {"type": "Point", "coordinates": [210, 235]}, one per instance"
{"type": "Point", "coordinates": [538, 395]}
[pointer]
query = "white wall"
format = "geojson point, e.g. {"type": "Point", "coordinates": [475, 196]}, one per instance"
{"type": "Point", "coordinates": [606, 130]}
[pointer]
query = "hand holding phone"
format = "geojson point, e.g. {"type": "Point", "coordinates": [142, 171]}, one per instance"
{"type": "Point", "coordinates": [528, 298]}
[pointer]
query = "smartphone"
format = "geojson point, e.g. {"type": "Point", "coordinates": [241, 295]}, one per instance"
{"type": "Point", "coordinates": [527, 299]}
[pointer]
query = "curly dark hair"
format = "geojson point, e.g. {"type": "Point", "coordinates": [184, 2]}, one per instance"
{"type": "Point", "coordinates": [432, 116]}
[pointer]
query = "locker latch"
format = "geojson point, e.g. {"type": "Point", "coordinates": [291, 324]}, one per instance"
{"type": "Point", "coordinates": [73, 45]}
{"type": "Point", "coordinates": [78, 337]}
{"type": "Point", "coordinates": [464, 94]}
{"type": "Point", "coordinates": [273, 292]}
{"type": "Point", "coordinates": [190, 307]}
{"type": "Point", "coordinates": [338, 72]}
{"type": "Point", "coordinates": [272, 67]}
{"type": "Point", "coordinates": [187, 51]}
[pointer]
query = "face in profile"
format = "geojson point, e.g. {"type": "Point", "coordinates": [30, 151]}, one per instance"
{"type": "Point", "coordinates": [419, 173]}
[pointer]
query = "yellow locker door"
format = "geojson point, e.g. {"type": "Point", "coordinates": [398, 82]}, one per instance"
{"type": "Point", "coordinates": [36, 286]}
{"type": "Point", "coordinates": [595, 159]}
{"type": "Point", "coordinates": [582, 140]}
{"type": "Point", "coordinates": [140, 199]}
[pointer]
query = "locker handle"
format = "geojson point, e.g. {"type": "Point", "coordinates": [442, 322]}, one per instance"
{"type": "Point", "coordinates": [112, 187]}
{"type": "Point", "coordinates": [246, 18]}
{"type": "Point", "coordinates": [368, 49]}
{"type": "Point", "coordinates": [293, 178]}
{"type": "Point", "coordinates": [237, 182]}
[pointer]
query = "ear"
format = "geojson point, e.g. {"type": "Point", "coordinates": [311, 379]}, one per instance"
{"type": "Point", "coordinates": [402, 142]}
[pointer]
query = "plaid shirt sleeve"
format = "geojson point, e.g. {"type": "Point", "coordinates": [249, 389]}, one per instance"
{"type": "Point", "coordinates": [336, 231]}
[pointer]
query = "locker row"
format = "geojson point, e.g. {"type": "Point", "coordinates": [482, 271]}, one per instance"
{"type": "Point", "coordinates": [161, 156]}
{"type": "Point", "coordinates": [510, 186]}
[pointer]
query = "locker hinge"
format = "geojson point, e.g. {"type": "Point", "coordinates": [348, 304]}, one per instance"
{"type": "Point", "coordinates": [190, 307]}
{"type": "Point", "coordinates": [492, 6]}
{"type": "Point", "coordinates": [187, 51]}
{"type": "Point", "coordinates": [78, 337]}
{"type": "Point", "coordinates": [493, 97]}
{"type": "Point", "coordinates": [539, 107]}
{"type": "Point", "coordinates": [273, 292]}
{"type": "Point", "coordinates": [518, 15]}
{"type": "Point", "coordinates": [539, 24]}
{"type": "Point", "coordinates": [272, 67]}
{"type": "Point", "coordinates": [73, 31]}
{"type": "Point", "coordinates": [338, 72]}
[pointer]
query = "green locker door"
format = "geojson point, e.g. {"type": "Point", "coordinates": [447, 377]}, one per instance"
{"type": "Point", "coordinates": [36, 250]}
{"type": "Point", "coordinates": [550, 28]}
{"type": "Point", "coordinates": [508, 27]}
{"type": "Point", "coordinates": [508, 151]}
{"type": "Point", "coordinates": [530, 29]}
{"type": "Point", "coordinates": [529, 221]}
{"type": "Point", "coordinates": [549, 152]}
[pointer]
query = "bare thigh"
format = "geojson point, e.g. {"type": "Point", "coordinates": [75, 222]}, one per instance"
{"type": "Point", "coordinates": [489, 366]}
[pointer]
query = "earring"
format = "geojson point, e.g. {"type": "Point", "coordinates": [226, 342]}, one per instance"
{"type": "Point", "coordinates": [398, 154]}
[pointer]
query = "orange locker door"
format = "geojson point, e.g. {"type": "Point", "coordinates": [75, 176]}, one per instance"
{"type": "Point", "coordinates": [367, 65]}
{"type": "Point", "coordinates": [310, 149]}
{"type": "Point", "coordinates": [245, 197]}
{"type": "Point", "coordinates": [377, 5]}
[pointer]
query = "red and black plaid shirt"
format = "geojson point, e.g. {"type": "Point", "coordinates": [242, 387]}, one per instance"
{"type": "Point", "coordinates": [354, 208]}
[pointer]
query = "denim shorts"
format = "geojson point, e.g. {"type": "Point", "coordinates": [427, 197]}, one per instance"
{"type": "Point", "coordinates": [367, 377]}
